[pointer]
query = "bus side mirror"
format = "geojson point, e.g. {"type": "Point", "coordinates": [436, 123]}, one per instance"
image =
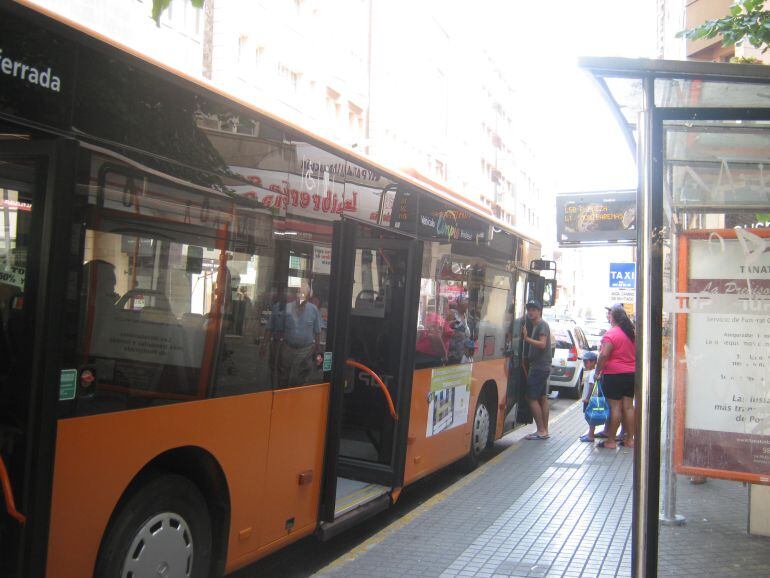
{"type": "Point", "coordinates": [543, 265]}
{"type": "Point", "coordinates": [549, 293]}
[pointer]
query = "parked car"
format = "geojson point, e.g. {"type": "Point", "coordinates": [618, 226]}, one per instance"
{"type": "Point", "coordinates": [594, 331]}
{"type": "Point", "coordinates": [569, 343]}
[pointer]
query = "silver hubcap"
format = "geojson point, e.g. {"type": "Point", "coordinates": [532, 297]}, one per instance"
{"type": "Point", "coordinates": [480, 429]}
{"type": "Point", "coordinates": [162, 548]}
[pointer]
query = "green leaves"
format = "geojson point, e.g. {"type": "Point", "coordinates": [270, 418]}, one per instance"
{"type": "Point", "coordinates": [158, 7]}
{"type": "Point", "coordinates": [747, 20]}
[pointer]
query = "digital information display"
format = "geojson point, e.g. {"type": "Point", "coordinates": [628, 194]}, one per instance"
{"type": "Point", "coordinates": [603, 218]}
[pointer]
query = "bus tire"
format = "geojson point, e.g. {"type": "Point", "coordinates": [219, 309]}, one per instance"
{"type": "Point", "coordinates": [480, 432]}
{"type": "Point", "coordinates": [163, 528]}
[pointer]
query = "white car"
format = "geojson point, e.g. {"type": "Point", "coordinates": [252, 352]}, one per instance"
{"type": "Point", "coordinates": [569, 343]}
{"type": "Point", "coordinates": [594, 331]}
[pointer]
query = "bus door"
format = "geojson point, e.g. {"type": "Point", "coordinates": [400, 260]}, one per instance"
{"type": "Point", "coordinates": [517, 409]}
{"type": "Point", "coordinates": [35, 182]}
{"type": "Point", "coordinates": [376, 284]}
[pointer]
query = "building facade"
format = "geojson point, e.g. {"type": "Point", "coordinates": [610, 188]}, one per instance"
{"type": "Point", "coordinates": [410, 84]}
{"type": "Point", "coordinates": [177, 40]}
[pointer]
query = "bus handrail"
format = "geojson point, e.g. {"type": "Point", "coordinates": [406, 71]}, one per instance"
{"type": "Point", "coordinates": [10, 504]}
{"type": "Point", "coordinates": [379, 382]}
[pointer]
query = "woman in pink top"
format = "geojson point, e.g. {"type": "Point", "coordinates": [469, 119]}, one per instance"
{"type": "Point", "coordinates": [617, 367]}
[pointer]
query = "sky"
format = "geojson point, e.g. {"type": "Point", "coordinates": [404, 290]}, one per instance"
{"type": "Point", "coordinates": [572, 128]}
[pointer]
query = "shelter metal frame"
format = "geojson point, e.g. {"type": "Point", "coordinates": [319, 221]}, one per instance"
{"type": "Point", "coordinates": [648, 147]}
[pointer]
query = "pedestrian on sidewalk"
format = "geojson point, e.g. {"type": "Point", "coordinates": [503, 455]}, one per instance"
{"type": "Point", "coordinates": [589, 380]}
{"type": "Point", "coordinates": [538, 353]}
{"type": "Point", "coordinates": [617, 367]}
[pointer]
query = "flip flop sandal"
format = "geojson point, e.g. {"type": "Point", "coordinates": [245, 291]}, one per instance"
{"type": "Point", "coordinates": [601, 445]}
{"type": "Point", "coordinates": [585, 438]}
{"type": "Point", "coordinates": [535, 436]}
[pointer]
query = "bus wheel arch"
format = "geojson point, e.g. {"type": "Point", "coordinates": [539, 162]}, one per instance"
{"type": "Point", "coordinates": [197, 467]}
{"type": "Point", "coordinates": [489, 391]}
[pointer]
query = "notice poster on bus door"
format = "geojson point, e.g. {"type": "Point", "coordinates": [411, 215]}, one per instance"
{"type": "Point", "coordinates": [723, 356]}
{"type": "Point", "coordinates": [449, 398]}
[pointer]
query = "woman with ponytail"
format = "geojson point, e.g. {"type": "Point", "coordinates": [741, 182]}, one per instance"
{"type": "Point", "coordinates": [616, 367]}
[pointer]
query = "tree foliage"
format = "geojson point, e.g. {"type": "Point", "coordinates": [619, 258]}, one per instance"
{"type": "Point", "coordinates": [158, 6]}
{"type": "Point", "coordinates": [747, 20]}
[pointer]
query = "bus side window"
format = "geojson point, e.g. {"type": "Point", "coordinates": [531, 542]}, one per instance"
{"type": "Point", "coordinates": [433, 332]}
{"type": "Point", "coordinates": [166, 295]}
{"type": "Point", "coordinates": [243, 364]}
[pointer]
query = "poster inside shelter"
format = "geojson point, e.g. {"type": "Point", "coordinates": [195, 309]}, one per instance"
{"type": "Point", "coordinates": [723, 352]}
{"type": "Point", "coordinates": [450, 394]}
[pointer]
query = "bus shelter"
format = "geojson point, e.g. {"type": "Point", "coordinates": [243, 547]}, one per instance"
{"type": "Point", "coordinates": [701, 135]}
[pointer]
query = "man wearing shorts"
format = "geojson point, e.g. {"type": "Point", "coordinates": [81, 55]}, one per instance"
{"type": "Point", "coordinates": [538, 352]}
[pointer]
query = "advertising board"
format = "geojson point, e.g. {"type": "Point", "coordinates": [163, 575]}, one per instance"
{"type": "Point", "coordinates": [722, 317]}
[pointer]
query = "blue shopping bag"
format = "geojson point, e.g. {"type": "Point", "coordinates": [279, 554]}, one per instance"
{"type": "Point", "coordinates": [598, 410]}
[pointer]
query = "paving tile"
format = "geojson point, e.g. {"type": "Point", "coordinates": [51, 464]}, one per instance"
{"type": "Point", "coordinates": [564, 509]}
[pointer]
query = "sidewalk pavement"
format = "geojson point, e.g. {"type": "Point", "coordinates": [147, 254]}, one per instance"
{"type": "Point", "coordinates": [558, 507]}
{"type": "Point", "coordinates": [714, 540]}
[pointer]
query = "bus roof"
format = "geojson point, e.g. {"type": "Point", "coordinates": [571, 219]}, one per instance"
{"type": "Point", "coordinates": [417, 180]}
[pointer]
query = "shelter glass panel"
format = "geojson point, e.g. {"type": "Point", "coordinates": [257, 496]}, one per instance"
{"type": "Point", "coordinates": [716, 339]}
{"type": "Point", "coordinates": [679, 92]}
{"type": "Point", "coordinates": [718, 164]}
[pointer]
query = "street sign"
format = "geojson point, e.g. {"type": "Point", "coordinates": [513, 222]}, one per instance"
{"type": "Point", "coordinates": [622, 275]}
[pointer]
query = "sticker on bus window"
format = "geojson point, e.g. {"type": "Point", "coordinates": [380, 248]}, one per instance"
{"type": "Point", "coordinates": [68, 380]}
{"type": "Point", "coordinates": [13, 276]}
{"type": "Point", "coordinates": [327, 360]}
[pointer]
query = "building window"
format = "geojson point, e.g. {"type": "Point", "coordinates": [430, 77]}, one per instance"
{"type": "Point", "coordinates": [441, 169]}
{"type": "Point", "coordinates": [259, 56]}
{"type": "Point", "coordinates": [290, 78]}
{"type": "Point", "coordinates": [355, 119]}
{"type": "Point", "coordinates": [333, 104]}
{"type": "Point", "coordinates": [242, 44]}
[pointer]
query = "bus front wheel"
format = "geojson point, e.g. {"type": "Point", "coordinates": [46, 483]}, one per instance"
{"type": "Point", "coordinates": [163, 529]}
{"type": "Point", "coordinates": [480, 428]}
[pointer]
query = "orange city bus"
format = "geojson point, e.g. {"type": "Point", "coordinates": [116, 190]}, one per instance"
{"type": "Point", "coordinates": [221, 333]}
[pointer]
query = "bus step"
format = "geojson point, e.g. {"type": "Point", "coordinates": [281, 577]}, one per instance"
{"type": "Point", "coordinates": [328, 530]}
{"type": "Point", "coordinates": [352, 494]}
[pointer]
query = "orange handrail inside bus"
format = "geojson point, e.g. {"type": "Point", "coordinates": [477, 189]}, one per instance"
{"type": "Point", "coordinates": [10, 504]}
{"type": "Point", "coordinates": [382, 385]}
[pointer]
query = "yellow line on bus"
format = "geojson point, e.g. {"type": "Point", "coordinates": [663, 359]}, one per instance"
{"type": "Point", "coordinates": [434, 501]}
